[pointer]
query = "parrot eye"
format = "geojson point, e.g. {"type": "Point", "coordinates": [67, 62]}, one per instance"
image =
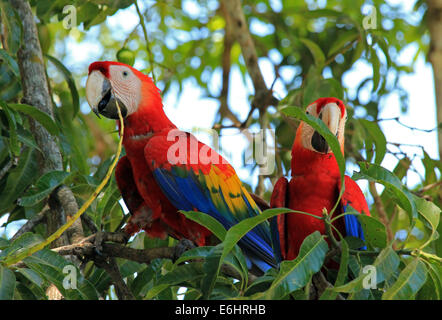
{"type": "Point", "coordinates": [125, 73]}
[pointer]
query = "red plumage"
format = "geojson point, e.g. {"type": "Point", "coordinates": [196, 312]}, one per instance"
{"type": "Point", "coordinates": [314, 186]}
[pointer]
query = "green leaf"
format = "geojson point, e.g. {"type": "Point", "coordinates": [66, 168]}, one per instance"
{"type": "Point", "coordinates": [182, 273]}
{"type": "Point", "coordinates": [376, 65]}
{"type": "Point", "coordinates": [316, 52]}
{"type": "Point", "coordinates": [431, 213]}
{"type": "Point", "coordinates": [51, 266]}
{"type": "Point", "coordinates": [3, 243]}
{"type": "Point", "coordinates": [374, 231]}
{"type": "Point", "coordinates": [376, 173]}
{"type": "Point", "coordinates": [19, 178]}
{"type": "Point", "coordinates": [25, 137]}
{"type": "Point", "coordinates": [432, 289]}
{"type": "Point", "coordinates": [43, 187]}
{"type": "Point", "coordinates": [194, 253]}
{"type": "Point", "coordinates": [26, 240]}
{"type": "Point", "coordinates": [239, 230]}
{"type": "Point", "coordinates": [35, 278]}
{"type": "Point", "coordinates": [354, 242]}
{"type": "Point", "coordinates": [378, 137]}
{"type": "Point", "coordinates": [211, 268]}
{"type": "Point", "coordinates": [12, 126]}
{"type": "Point", "coordinates": [342, 41]}
{"type": "Point", "coordinates": [330, 294]}
{"type": "Point", "coordinates": [233, 235]}
{"type": "Point", "coordinates": [429, 165]}
{"type": "Point", "coordinates": [7, 283]}
{"type": "Point", "coordinates": [13, 25]}
{"type": "Point", "coordinates": [4, 55]}
{"type": "Point", "coordinates": [323, 130]}
{"type": "Point", "coordinates": [32, 276]}
{"type": "Point", "coordinates": [359, 50]}
{"type": "Point", "coordinates": [207, 221]}
{"type": "Point", "coordinates": [319, 13]}
{"type": "Point", "coordinates": [42, 117]}
{"type": "Point", "coordinates": [71, 83]}
{"type": "Point", "coordinates": [410, 280]}
{"type": "Point", "coordinates": [295, 274]}
{"type": "Point", "coordinates": [385, 265]}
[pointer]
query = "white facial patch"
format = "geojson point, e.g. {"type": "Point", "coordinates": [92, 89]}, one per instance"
{"type": "Point", "coordinates": [331, 115]}
{"type": "Point", "coordinates": [126, 86]}
{"type": "Point", "coordinates": [307, 130]}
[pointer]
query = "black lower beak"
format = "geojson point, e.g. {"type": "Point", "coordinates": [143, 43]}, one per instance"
{"type": "Point", "coordinates": [96, 113]}
{"type": "Point", "coordinates": [108, 106]}
{"type": "Point", "coordinates": [319, 143]}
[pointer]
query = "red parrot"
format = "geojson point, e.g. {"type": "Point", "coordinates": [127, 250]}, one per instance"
{"type": "Point", "coordinates": [315, 183]}
{"type": "Point", "coordinates": [166, 170]}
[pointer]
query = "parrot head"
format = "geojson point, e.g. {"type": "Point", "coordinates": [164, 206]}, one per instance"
{"type": "Point", "coordinates": [110, 82]}
{"type": "Point", "coordinates": [333, 113]}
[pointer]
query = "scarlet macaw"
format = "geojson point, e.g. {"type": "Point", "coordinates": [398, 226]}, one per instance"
{"type": "Point", "coordinates": [315, 183]}
{"type": "Point", "coordinates": [166, 170]}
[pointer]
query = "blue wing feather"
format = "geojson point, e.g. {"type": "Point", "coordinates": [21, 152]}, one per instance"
{"type": "Point", "coordinates": [353, 227]}
{"type": "Point", "coordinates": [187, 193]}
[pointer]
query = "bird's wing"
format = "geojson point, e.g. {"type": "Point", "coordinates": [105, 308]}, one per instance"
{"type": "Point", "coordinates": [278, 226]}
{"type": "Point", "coordinates": [354, 197]}
{"type": "Point", "coordinates": [195, 177]}
{"type": "Point", "coordinates": [126, 185]}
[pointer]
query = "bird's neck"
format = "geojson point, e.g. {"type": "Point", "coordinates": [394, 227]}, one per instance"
{"type": "Point", "coordinates": [149, 119]}
{"type": "Point", "coordinates": [305, 161]}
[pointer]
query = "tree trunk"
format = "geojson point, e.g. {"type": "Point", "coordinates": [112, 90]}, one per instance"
{"type": "Point", "coordinates": [435, 57]}
{"type": "Point", "coordinates": [62, 202]}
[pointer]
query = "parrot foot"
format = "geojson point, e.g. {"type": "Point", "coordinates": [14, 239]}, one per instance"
{"type": "Point", "coordinates": [101, 237]}
{"type": "Point", "coordinates": [182, 246]}
{"type": "Point", "coordinates": [98, 243]}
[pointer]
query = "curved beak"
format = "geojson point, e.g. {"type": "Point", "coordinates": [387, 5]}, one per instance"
{"type": "Point", "coordinates": [330, 115]}
{"type": "Point", "coordinates": [100, 96]}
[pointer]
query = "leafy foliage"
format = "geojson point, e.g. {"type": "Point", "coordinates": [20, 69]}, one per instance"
{"type": "Point", "coordinates": [317, 45]}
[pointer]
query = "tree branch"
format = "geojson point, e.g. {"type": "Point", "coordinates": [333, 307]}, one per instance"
{"type": "Point", "coordinates": [111, 267]}
{"type": "Point", "coordinates": [263, 96]}
{"type": "Point", "coordinates": [381, 210]}
{"type": "Point", "coordinates": [86, 249]}
{"type": "Point", "coordinates": [224, 109]}
{"type": "Point", "coordinates": [321, 284]}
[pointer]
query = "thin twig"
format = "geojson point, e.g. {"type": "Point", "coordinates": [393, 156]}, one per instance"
{"type": "Point", "coordinates": [146, 38]}
{"type": "Point", "coordinates": [12, 162]}
{"type": "Point", "coordinates": [30, 224]}
{"type": "Point", "coordinates": [429, 187]}
{"type": "Point", "coordinates": [406, 126]}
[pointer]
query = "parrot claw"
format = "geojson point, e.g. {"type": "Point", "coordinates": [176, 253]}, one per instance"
{"type": "Point", "coordinates": [182, 246]}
